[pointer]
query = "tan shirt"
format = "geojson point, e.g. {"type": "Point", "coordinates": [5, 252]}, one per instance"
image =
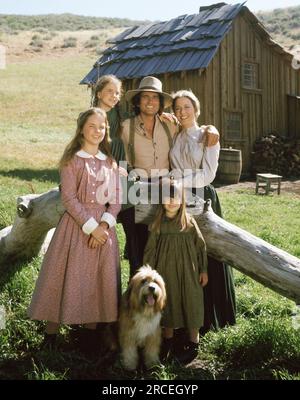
{"type": "Point", "coordinates": [150, 154]}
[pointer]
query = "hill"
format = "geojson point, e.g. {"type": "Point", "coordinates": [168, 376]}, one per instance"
{"type": "Point", "coordinates": [57, 35]}
{"type": "Point", "coordinates": [62, 22]}
{"type": "Point", "coordinates": [284, 26]}
{"type": "Point", "coordinates": [64, 34]}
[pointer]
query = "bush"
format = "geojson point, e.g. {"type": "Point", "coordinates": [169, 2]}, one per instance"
{"type": "Point", "coordinates": [295, 36]}
{"type": "Point", "coordinates": [47, 37]}
{"type": "Point", "coordinates": [100, 50]}
{"type": "Point", "coordinates": [37, 43]}
{"type": "Point", "coordinates": [91, 43]}
{"type": "Point", "coordinates": [69, 42]}
{"type": "Point", "coordinates": [40, 30]}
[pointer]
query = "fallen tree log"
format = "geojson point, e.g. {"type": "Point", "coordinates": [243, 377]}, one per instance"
{"type": "Point", "coordinates": [267, 264]}
{"type": "Point", "coordinates": [36, 215]}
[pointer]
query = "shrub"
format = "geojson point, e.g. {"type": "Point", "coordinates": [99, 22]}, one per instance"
{"type": "Point", "coordinates": [69, 42]}
{"type": "Point", "coordinates": [37, 43]}
{"type": "Point", "coordinates": [48, 37]}
{"type": "Point", "coordinates": [295, 36]}
{"type": "Point", "coordinates": [100, 50]}
{"type": "Point", "coordinates": [40, 30]}
{"type": "Point", "coordinates": [91, 43]}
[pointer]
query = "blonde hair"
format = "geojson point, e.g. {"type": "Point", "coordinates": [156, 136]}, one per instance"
{"type": "Point", "coordinates": [100, 85]}
{"type": "Point", "coordinates": [189, 95]}
{"type": "Point", "coordinates": [182, 219]}
{"type": "Point", "coordinates": [78, 140]}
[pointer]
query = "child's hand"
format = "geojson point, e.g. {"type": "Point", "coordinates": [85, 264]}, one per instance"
{"type": "Point", "coordinates": [100, 234]}
{"type": "Point", "coordinates": [211, 135]}
{"type": "Point", "coordinates": [93, 243]}
{"type": "Point", "coordinates": [203, 279]}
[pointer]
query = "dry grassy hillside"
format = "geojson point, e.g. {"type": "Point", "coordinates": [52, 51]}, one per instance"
{"type": "Point", "coordinates": [284, 26]}
{"type": "Point", "coordinates": [27, 37]}
{"type": "Point", "coordinates": [40, 43]}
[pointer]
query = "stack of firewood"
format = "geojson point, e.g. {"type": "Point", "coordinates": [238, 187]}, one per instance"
{"type": "Point", "coordinates": [277, 155]}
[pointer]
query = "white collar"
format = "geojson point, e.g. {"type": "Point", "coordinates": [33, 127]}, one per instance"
{"type": "Point", "coordinates": [192, 129]}
{"type": "Point", "coordinates": [84, 154]}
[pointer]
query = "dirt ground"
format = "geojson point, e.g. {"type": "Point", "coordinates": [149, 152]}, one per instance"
{"type": "Point", "coordinates": [290, 186]}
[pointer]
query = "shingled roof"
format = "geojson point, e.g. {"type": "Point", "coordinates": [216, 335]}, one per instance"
{"type": "Point", "coordinates": [184, 43]}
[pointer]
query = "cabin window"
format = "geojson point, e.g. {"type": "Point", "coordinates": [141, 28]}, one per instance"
{"type": "Point", "coordinates": [250, 75]}
{"type": "Point", "coordinates": [233, 126]}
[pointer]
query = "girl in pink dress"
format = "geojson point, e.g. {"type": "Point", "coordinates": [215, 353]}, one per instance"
{"type": "Point", "coordinates": [79, 281]}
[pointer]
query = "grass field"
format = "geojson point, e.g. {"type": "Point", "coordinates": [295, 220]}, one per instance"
{"type": "Point", "coordinates": [40, 102]}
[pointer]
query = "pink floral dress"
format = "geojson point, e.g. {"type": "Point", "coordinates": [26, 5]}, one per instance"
{"type": "Point", "coordinates": [77, 284]}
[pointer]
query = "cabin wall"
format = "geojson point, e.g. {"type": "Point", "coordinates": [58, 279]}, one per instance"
{"type": "Point", "coordinates": [262, 110]}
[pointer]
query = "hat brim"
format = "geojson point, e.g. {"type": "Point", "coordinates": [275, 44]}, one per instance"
{"type": "Point", "coordinates": [167, 97]}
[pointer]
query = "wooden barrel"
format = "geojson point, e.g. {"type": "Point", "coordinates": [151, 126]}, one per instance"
{"type": "Point", "coordinates": [230, 166]}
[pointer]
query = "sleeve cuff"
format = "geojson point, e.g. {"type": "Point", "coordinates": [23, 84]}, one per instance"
{"type": "Point", "coordinates": [90, 226]}
{"type": "Point", "coordinates": [109, 219]}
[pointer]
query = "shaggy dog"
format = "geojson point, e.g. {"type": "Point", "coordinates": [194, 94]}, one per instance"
{"type": "Point", "coordinates": [140, 314]}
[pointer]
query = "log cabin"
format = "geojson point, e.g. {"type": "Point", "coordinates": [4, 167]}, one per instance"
{"type": "Point", "coordinates": [248, 85]}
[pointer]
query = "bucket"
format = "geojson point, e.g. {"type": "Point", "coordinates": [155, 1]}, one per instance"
{"type": "Point", "coordinates": [230, 166]}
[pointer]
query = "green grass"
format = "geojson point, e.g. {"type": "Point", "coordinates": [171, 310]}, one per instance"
{"type": "Point", "coordinates": [42, 101]}
{"type": "Point", "coordinates": [275, 219]}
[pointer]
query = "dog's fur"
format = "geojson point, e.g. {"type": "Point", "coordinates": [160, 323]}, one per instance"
{"type": "Point", "coordinates": [140, 314]}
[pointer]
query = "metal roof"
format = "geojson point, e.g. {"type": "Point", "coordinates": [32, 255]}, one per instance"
{"type": "Point", "coordinates": [183, 43]}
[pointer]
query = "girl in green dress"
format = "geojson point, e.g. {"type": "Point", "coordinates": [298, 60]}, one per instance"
{"type": "Point", "coordinates": [176, 249]}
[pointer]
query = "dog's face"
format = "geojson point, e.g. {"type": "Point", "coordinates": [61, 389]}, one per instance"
{"type": "Point", "coordinates": [147, 290]}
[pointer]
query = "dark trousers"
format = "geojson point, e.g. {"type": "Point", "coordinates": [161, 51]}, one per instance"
{"type": "Point", "coordinates": [219, 293]}
{"type": "Point", "coordinates": [136, 238]}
